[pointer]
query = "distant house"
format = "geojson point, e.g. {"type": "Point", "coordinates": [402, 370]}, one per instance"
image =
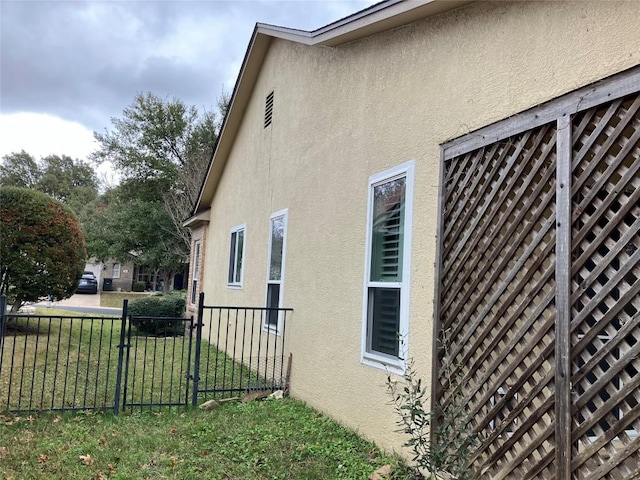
{"type": "Point", "coordinates": [113, 275]}
{"type": "Point", "coordinates": [454, 182]}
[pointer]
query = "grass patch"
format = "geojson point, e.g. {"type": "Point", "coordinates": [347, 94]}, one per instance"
{"type": "Point", "coordinates": [56, 312]}
{"type": "Point", "coordinates": [275, 439]}
{"type": "Point", "coordinates": [114, 299]}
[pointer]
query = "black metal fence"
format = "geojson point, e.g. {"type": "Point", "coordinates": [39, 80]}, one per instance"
{"type": "Point", "coordinates": [59, 363]}
{"type": "Point", "coordinates": [243, 350]}
{"type": "Point", "coordinates": [72, 363]}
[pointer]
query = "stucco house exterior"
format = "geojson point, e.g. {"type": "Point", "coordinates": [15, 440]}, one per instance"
{"type": "Point", "coordinates": [405, 174]}
{"type": "Point", "coordinates": [116, 276]}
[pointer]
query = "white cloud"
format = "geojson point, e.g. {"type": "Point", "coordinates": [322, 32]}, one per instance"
{"type": "Point", "coordinates": [41, 135]}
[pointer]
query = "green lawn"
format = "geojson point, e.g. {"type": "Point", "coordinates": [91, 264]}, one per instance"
{"type": "Point", "coordinates": [114, 299]}
{"type": "Point", "coordinates": [274, 439]}
{"type": "Point", "coordinates": [35, 373]}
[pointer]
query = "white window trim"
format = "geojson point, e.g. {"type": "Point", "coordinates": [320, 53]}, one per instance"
{"type": "Point", "coordinates": [376, 359]}
{"type": "Point", "coordinates": [197, 252]}
{"type": "Point", "coordinates": [113, 270]}
{"type": "Point", "coordinates": [236, 229]}
{"type": "Point", "coordinates": [266, 327]}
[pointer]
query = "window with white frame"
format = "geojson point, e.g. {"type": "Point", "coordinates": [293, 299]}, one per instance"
{"type": "Point", "coordinates": [196, 272]}
{"type": "Point", "coordinates": [115, 270]}
{"type": "Point", "coordinates": [386, 292]}
{"type": "Point", "coordinates": [236, 256]}
{"type": "Point", "coordinates": [275, 267]}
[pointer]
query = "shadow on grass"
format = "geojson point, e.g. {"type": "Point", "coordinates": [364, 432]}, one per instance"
{"type": "Point", "coordinates": [17, 326]}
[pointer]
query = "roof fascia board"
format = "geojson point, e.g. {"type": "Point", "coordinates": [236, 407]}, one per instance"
{"type": "Point", "coordinates": [198, 219]}
{"type": "Point", "coordinates": [284, 33]}
{"type": "Point", "coordinates": [378, 18]}
{"type": "Point", "coordinates": [242, 91]}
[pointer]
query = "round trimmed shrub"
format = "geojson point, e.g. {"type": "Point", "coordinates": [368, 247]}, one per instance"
{"type": "Point", "coordinates": [42, 249]}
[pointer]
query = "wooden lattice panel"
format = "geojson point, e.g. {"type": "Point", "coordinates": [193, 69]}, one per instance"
{"type": "Point", "coordinates": [497, 300]}
{"type": "Point", "coordinates": [539, 288]}
{"type": "Point", "coordinates": [605, 288]}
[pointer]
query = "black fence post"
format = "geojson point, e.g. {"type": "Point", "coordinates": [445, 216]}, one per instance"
{"type": "Point", "coordinates": [196, 366]}
{"type": "Point", "coordinates": [188, 376]}
{"type": "Point", "coordinates": [3, 312]}
{"type": "Point", "coordinates": [121, 347]}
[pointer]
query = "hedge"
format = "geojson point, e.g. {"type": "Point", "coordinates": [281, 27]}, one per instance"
{"type": "Point", "coordinates": [158, 306]}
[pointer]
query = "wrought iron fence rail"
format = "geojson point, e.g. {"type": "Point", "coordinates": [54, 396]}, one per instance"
{"type": "Point", "coordinates": [69, 363]}
{"type": "Point", "coordinates": [54, 362]}
{"type": "Point", "coordinates": [245, 347]}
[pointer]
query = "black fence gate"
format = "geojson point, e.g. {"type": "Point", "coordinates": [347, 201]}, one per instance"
{"type": "Point", "coordinates": [71, 363]}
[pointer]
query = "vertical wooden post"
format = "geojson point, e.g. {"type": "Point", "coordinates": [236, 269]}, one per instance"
{"type": "Point", "coordinates": [563, 299]}
{"type": "Point", "coordinates": [435, 361]}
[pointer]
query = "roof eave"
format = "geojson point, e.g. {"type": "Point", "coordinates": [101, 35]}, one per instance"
{"type": "Point", "coordinates": [198, 219]}
{"type": "Point", "coordinates": [378, 18]}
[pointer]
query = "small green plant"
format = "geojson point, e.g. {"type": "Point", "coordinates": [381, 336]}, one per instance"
{"type": "Point", "coordinates": [455, 440]}
{"type": "Point", "coordinates": [138, 287]}
{"type": "Point", "coordinates": [145, 313]}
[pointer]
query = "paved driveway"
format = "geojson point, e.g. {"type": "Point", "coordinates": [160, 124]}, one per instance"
{"type": "Point", "coordinates": [80, 300]}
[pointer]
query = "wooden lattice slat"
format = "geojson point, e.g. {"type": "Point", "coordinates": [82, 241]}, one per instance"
{"type": "Point", "coordinates": [497, 314]}
{"type": "Point", "coordinates": [498, 287]}
{"type": "Point", "coordinates": [605, 292]}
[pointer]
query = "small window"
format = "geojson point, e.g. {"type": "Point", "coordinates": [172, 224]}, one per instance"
{"type": "Point", "coordinates": [115, 272]}
{"type": "Point", "coordinates": [236, 256]}
{"type": "Point", "coordinates": [196, 272]}
{"type": "Point", "coordinates": [386, 292]}
{"type": "Point", "coordinates": [275, 268]}
{"type": "Point", "coordinates": [268, 110]}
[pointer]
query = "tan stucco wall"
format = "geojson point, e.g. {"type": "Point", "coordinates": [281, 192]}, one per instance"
{"type": "Point", "coordinates": [198, 234]}
{"type": "Point", "coordinates": [343, 114]}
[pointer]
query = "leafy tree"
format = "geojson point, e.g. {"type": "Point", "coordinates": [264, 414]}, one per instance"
{"type": "Point", "coordinates": [72, 182]}
{"type": "Point", "coordinates": [19, 170]}
{"type": "Point", "coordinates": [162, 150]}
{"type": "Point", "coordinates": [134, 230]}
{"type": "Point", "coordinates": [42, 250]}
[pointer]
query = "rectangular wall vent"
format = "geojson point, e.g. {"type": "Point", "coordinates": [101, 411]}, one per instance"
{"type": "Point", "coordinates": [268, 110]}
